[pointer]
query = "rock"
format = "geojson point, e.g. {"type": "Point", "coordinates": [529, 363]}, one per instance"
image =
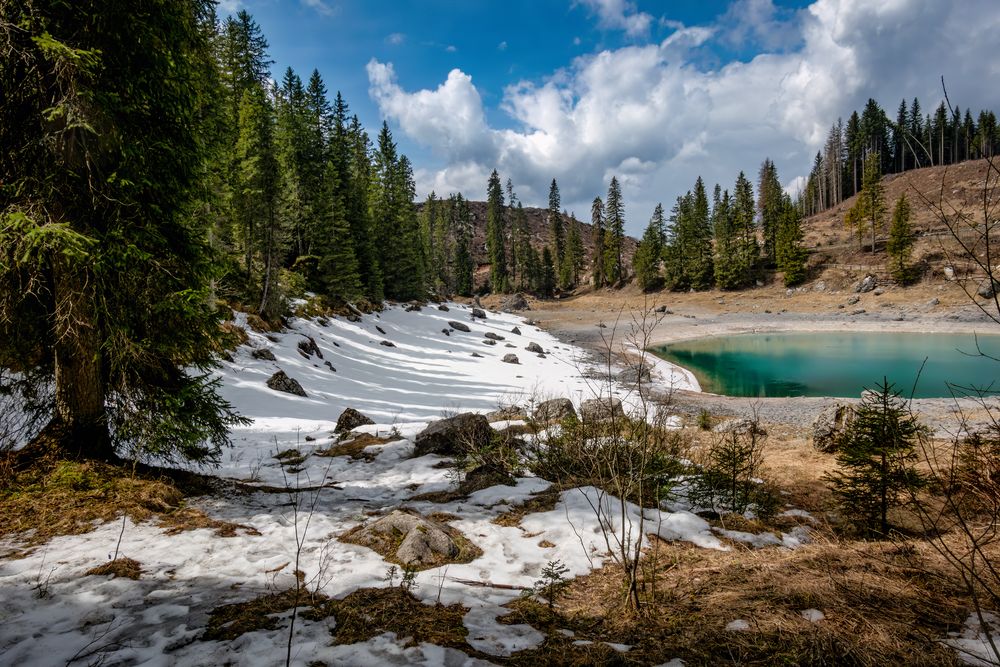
{"type": "Point", "coordinates": [478, 312]}
{"type": "Point", "coordinates": [387, 343]}
{"type": "Point", "coordinates": [820, 287]}
{"type": "Point", "coordinates": [446, 332]}
{"type": "Point", "coordinates": [424, 541]}
{"type": "Point", "coordinates": [988, 289]}
{"type": "Point", "coordinates": [412, 308]}
{"type": "Point", "coordinates": [853, 300]}
{"type": "Point", "coordinates": [453, 435]}
{"type": "Point", "coordinates": [633, 375]}
{"type": "Point", "coordinates": [830, 424]}
{"type": "Point", "coordinates": [330, 366]}
{"type": "Point", "coordinates": [933, 302]}
{"type": "Point", "coordinates": [540, 355]}
{"type": "Point", "coordinates": [949, 273]}
{"type": "Point", "coordinates": [510, 345]}
{"type": "Point", "coordinates": [310, 438]}
{"type": "Point", "coordinates": [867, 284]}
{"type": "Point", "coordinates": [516, 331]}
{"type": "Point", "coordinates": [489, 341]}
{"type": "Point", "coordinates": [308, 347]}
{"type": "Point", "coordinates": [458, 326]}
{"type": "Point", "coordinates": [281, 382]}
{"type": "Point", "coordinates": [859, 311]}
{"type": "Point", "coordinates": [483, 477]}
{"type": "Point", "coordinates": [493, 336]}
{"type": "Point", "coordinates": [554, 410]}
{"type": "Point", "coordinates": [759, 283]}
{"type": "Point", "coordinates": [878, 291]}
{"type": "Point", "coordinates": [514, 303]}
{"type": "Point", "coordinates": [505, 414]}
{"type": "Point", "coordinates": [534, 347]}
{"type": "Point", "coordinates": [263, 353]}
{"type": "Point", "coordinates": [476, 354]}
{"type": "Point", "coordinates": [739, 425]}
{"type": "Point", "coordinates": [443, 307]}
{"type": "Point", "coordinates": [379, 329]}
{"type": "Point", "coordinates": [351, 419]}
{"type": "Point", "coordinates": [660, 309]}
{"type": "Point", "coordinates": [510, 358]}
{"type": "Point", "coordinates": [601, 409]}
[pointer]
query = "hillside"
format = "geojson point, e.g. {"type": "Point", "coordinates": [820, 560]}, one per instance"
{"type": "Point", "coordinates": [958, 189]}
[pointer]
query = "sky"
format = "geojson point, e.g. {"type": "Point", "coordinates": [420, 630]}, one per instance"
{"type": "Point", "coordinates": [655, 93]}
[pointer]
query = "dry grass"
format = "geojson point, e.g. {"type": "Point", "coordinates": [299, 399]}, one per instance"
{"type": "Point", "coordinates": [355, 448]}
{"type": "Point", "coordinates": [233, 620]}
{"type": "Point", "coordinates": [119, 567]}
{"type": "Point", "coordinates": [386, 545]}
{"type": "Point", "coordinates": [539, 502]}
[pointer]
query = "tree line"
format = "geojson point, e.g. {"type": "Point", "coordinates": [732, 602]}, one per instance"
{"type": "Point", "coordinates": [911, 141]}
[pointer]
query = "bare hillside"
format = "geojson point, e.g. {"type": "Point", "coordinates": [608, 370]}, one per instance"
{"type": "Point", "coordinates": [958, 189]}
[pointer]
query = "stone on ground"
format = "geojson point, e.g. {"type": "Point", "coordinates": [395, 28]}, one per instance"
{"type": "Point", "coordinates": [454, 435]}
{"type": "Point", "coordinates": [281, 382]}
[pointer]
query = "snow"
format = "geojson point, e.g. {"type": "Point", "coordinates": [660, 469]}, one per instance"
{"type": "Point", "coordinates": [813, 615]}
{"type": "Point", "coordinates": [158, 620]}
{"type": "Point", "coordinates": [738, 625]}
{"type": "Point", "coordinates": [973, 645]}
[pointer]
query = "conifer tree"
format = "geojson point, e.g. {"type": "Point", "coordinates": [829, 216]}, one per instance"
{"type": "Point", "coordinates": [495, 234]}
{"type": "Point", "coordinates": [770, 206]}
{"type": "Point", "coordinates": [464, 265]}
{"type": "Point", "coordinates": [597, 223]}
{"type": "Point", "coordinates": [744, 230]}
{"type": "Point", "coordinates": [876, 456]}
{"type": "Point", "coordinates": [900, 244]}
{"type": "Point", "coordinates": [556, 223]}
{"type": "Point", "coordinates": [574, 250]}
{"type": "Point", "coordinates": [353, 148]}
{"type": "Point", "coordinates": [727, 265]}
{"type": "Point", "coordinates": [105, 263]}
{"type": "Point", "coordinates": [871, 200]}
{"type": "Point", "coordinates": [649, 254]}
{"type": "Point", "coordinates": [614, 266]}
{"type": "Point", "coordinates": [697, 228]}
{"type": "Point", "coordinates": [547, 277]}
{"type": "Point", "coordinates": [791, 255]}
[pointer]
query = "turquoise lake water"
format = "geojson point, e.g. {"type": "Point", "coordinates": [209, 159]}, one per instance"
{"type": "Point", "coordinates": [836, 364]}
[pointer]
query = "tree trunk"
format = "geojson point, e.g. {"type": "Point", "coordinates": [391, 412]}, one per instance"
{"type": "Point", "coordinates": [80, 416]}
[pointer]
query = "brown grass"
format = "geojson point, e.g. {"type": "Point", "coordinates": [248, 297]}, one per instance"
{"type": "Point", "coordinates": [355, 447]}
{"type": "Point", "coordinates": [539, 502]}
{"type": "Point", "coordinates": [233, 620]}
{"type": "Point", "coordinates": [388, 543]}
{"type": "Point", "coordinates": [119, 567]}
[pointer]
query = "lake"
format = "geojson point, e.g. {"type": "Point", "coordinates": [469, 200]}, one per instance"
{"type": "Point", "coordinates": [835, 364]}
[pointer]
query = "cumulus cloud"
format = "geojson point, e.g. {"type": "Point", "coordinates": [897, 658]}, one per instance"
{"type": "Point", "coordinates": [655, 117]}
{"type": "Point", "coordinates": [620, 15]}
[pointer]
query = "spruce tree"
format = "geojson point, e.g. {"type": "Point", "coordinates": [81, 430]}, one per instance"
{"type": "Point", "coordinates": [556, 224]}
{"type": "Point", "coordinates": [769, 206]}
{"type": "Point", "coordinates": [901, 240]}
{"type": "Point", "coordinates": [744, 230]}
{"type": "Point", "coordinates": [876, 456]}
{"type": "Point", "coordinates": [697, 261]}
{"type": "Point", "coordinates": [597, 223]}
{"type": "Point", "coordinates": [614, 266]}
{"type": "Point", "coordinates": [353, 141]}
{"type": "Point", "coordinates": [791, 255]}
{"type": "Point", "coordinates": [727, 266]}
{"type": "Point", "coordinates": [574, 250]}
{"type": "Point", "coordinates": [462, 231]}
{"type": "Point", "coordinates": [547, 276]}
{"type": "Point", "coordinates": [495, 234]}
{"type": "Point", "coordinates": [650, 252]}
{"type": "Point", "coordinates": [522, 248]}
{"type": "Point", "coordinates": [871, 200]}
{"type": "Point", "coordinates": [103, 252]}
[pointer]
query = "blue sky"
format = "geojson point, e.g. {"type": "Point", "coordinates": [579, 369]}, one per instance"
{"type": "Point", "coordinates": [656, 93]}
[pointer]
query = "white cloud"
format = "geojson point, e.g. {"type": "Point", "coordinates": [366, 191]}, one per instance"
{"type": "Point", "coordinates": [396, 38]}
{"type": "Point", "coordinates": [502, 46]}
{"type": "Point", "coordinates": [620, 15]}
{"type": "Point", "coordinates": [656, 118]}
{"type": "Point", "coordinates": [321, 6]}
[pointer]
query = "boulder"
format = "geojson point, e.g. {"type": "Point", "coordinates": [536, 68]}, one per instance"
{"type": "Point", "coordinates": [351, 419]}
{"type": "Point", "coordinates": [534, 347]}
{"type": "Point", "coordinates": [601, 409]}
{"type": "Point", "coordinates": [263, 353]}
{"type": "Point", "coordinates": [830, 424]}
{"type": "Point", "coordinates": [281, 382]}
{"type": "Point", "coordinates": [867, 284]}
{"type": "Point", "coordinates": [379, 329]}
{"type": "Point", "coordinates": [489, 341]}
{"type": "Point", "coordinates": [510, 358]}
{"type": "Point", "coordinates": [516, 331]}
{"type": "Point", "coordinates": [476, 354]}
{"type": "Point", "coordinates": [514, 303]}
{"type": "Point", "coordinates": [505, 414]}
{"type": "Point", "coordinates": [493, 336]}
{"type": "Point", "coordinates": [988, 288]}
{"type": "Point", "coordinates": [853, 300]}
{"type": "Point", "coordinates": [458, 326]}
{"type": "Point", "coordinates": [634, 375]}
{"type": "Point", "coordinates": [443, 307]}
{"type": "Point", "coordinates": [412, 308]}
{"type": "Point", "coordinates": [387, 343]}
{"type": "Point", "coordinates": [453, 435]}
{"type": "Point", "coordinates": [308, 347]}
{"type": "Point", "coordinates": [425, 542]}
{"type": "Point", "coordinates": [479, 312]}
{"type": "Point", "coordinates": [554, 410]}
{"type": "Point", "coordinates": [740, 425]}
{"type": "Point", "coordinates": [660, 309]}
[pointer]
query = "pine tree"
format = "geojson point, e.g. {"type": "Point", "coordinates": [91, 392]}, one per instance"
{"type": "Point", "coordinates": [352, 152]}
{"type": "Point", "coordinates": [791, 255]}
{"type": "Point", "coordinates": [901, 240]}
{"type": "Point", "coordinates": [614, 267]}
{"type": "Point", "coordinates": [727, 266]}
{"type": "Point", "coordinates": [770, 205]}
{"type": "Point", "coordinates": [876, 456]}
{"type": "Point", "coordinates": [899, 137]}
{"type": "Point", "coordinates": [556, 223]}
{"type": "Point", "coordinates": [495, 235]}
{"type": "Point", "coordinates": [697, 258]}
{"type": "Point", "coordinates": [744, 230]}
{"type": "Point", "coordinates": [597, 222]}
{"type": "Point", "coordinates": [547, 278]}
{"type": "Point", "coordinates": [522, 248]}
{"type": "Point", "coordinates": [464, 265]}
{"type": "Point", "coordinates": [650, 252]}
{"type": "Point", "coordinates": [574, 250]}
{"type": "Point", "coordinates": [105, 148]}
{"type": "Point", "coordinates": [871, 200]}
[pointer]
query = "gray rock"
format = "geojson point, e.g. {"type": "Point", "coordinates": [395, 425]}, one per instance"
{"type": "Point", "coordinates": [510, 358]}
{"type": "Point", "coordinates": [424, 541]}
{"type": "Point", "coordinates": [281, 382]}
{"type": "Point", "coordinates": [859, 311]}
{"type": "Point", "coordinates": [380, 329]}
{"type": "Point", "coordinates": [534, 347]}
{"type": "Point", "coordinates": [514, 303]}
{"type": "Point", "coordinates": [493, 336]}
{"type": "Point", "coordinates": [634, 375]}
{"type": "Point", "coordinates": [351, 419]}
{"type": "Point", "coordinates": [505, 414]}
{"type": "Point", "coordinates": [446, 332]}
{"type": "Point", "coordinates": [830, 424]}
{"type": "Point", "coordinates": [949, 273]}
{"type": "Point", "coordinates": [476, 354]}
{"type": "Point", "coordinates": [740, 425]}
{"type": "Point", "coordinates": [443, 307]}
{"type": "Point", "coordinates": [878, 291]}
{"type": "Point", "coordinates": [308, 347]}
{"type": "Point", "coordinates": [853, 300]}
{"type": "Point", "coordinates": [554, 410]}
{"type": "Point", "coordinates": [988, 289]}
{"type": "Point", "coordinates": [387, 343]}
{"type": "Point", "coordinates": [601, 409]}
{"type": "Point", "coordinates": [867, 284]}
{"type": "Point", "coordinates": [660, 309]}
{"type": "Point", "coordinates": [489, 341]}
{"type": "Point", "coordinates": [263, 353]}
{"type": "Point", "coordinates": [479, 312]}
{"type": "Point", "coordinates": [458, 326]}
{"type": "Point", "coordinates": [516, 331]}
{"type": "Point", "coordinates": [933, 302]}
{"type": "Point", "coordinates": [412, 308]}
{"type": "Point", "coordinates": [330, 366]}
{"type": "Point", "coordinates": [820, 286]}
{"type": "Point", "coordinates": [453, 435]}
